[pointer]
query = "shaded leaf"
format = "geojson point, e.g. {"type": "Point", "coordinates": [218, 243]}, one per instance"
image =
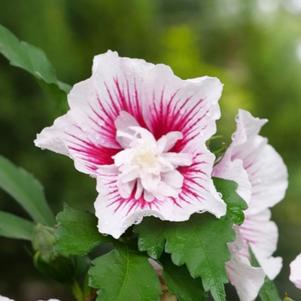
{"type": "Point", "coordinates": [200, 243]}
{"type": "Point", "coordinates": [59, 268]}
{"type": "Point", "coordinates": [269, 291]}
{"type": "Point", "coordinates": [235, 204]}
{"type": "Point", "coordinates": [181, 284]}
{"type": "Point", "coordinates": [77, 232]}
{"type": "Point", "coordinates": [152, 236]}
{"type": "Point", "coordinates": [26, 190]}
{"type": "Point", "coordinates": [12, 226]}
{"type": "Point", "coordinates": [123, 275]}
{"type": "Point", "coordinates": [29, 58]}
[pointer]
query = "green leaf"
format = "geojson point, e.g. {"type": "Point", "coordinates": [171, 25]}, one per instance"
{"type": "Point", "coordinates": [181, 284]}
{"type": "Point", "coordinates": [26, 190]}
{"type": "Point", "coordinates": [123, 275]}
{"type": "Point", "coordinates": [152, 236]}
{"type": "Point", "coordinates": [12, 226]}
{"type": "Point", "coordinates": [235, 204]}
{"type": "Point", "coordinates": [269, 291]}
{"type": "Point", "coordinates": [200, 243]}
{"type": "Point", "coordinates": [58, 268]}
{"type": "Point", "coordinates": [28, 57]}
{"type": "Point", "coordinates": [77, 232]}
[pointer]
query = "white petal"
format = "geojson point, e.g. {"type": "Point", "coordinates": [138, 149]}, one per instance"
{"type": "Point", "coordinates": [173, 179]}
{"type": "Point", "coordinates": [52, 138]}
{"type": "Point", "coordinates": [123, 157]}
{"type": "Point", "coordinates": [242, 275]}
{"type": "Point", "coordinates": [234, 170]}
{"type": "Point", "coordinates": [166, 190]}
{"type": "Point", "coordinates": [123, 124]}
{"type": "Point", "coordinates": [268, 175]}
{"type": "Point", "coordinates": [129, 174]}
{"type": "Point", "coordinates": [166, 142]}
{"type": "Point", "coordinates": [266, 171]}
{"type": "Point", "coordinates": [188, 106]}
{"type": "Point", "coordinates": [248, 127]}
{"type": "Point", "coordinates": [125, 189]}
{"type": "Point", "coordinates": [262, 236]}
{"type": "Point", "coordinates": [247, 279]}
{"type": "Point", "coordinates": [150, 182]}
{"type": "Point", "coordinates": [148, 196]}
{"type": "Point", "coordinates": [92, 113]}
{"type": "Point", "coordinates": [2, 298]}
{"type": "Point", "coordinates": [66, 137]}
{"type": "Point", "coordinates": [178, 159]}
{"type": "Point", "coordinates": [295, 273]}
{"type": "Point", "coordinates": [139, 190]}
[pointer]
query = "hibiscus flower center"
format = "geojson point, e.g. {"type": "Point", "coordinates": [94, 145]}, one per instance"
{"type": "Point", "coordinates": [145, 158]}
{"type": "Point", "coordinates": [147, 168]}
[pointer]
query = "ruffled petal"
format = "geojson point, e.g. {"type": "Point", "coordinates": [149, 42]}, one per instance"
{"type": "Point", "coordinates": [66, 137]}
{"type": "Point", "coordinates": [295, 273]}
{"type": "Point", "coordinates": [116, 213]}
{"type": "Point", "coordinates": [235, 171]}
{"type": "Point", "coordinates": [242, 275]}
{"type": "Point", "coordinates": [266, 170]}
{"type": "Point", "coordinates": [268, 176]}
{"type": "Point", "coordinates": [186, 106]}
{"type": "Point", "coordinates": [246, 279]}
{"type": "Point", "coordinates": [262, 236]}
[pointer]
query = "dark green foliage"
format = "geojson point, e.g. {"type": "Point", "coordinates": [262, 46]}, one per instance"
{"type": "Point", "coordinates": [12, 226]}
{"type": "Point", "coordinates": [29, 58]}
{"type": "Point", "coordinates": [269, 291]}
{"type": "Point", "coordinates": [124, 274]}
{"type": "Point", "coordinates": [77, 232]}
{"type": "Point", "coordinates": [26, 190]}
{"type": "Point", "coordinates": [180, 283]}
{"type": "Point", "coordinates": [200, 244]}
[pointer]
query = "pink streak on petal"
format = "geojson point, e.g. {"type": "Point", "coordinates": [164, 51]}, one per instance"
{"type": "Point", "coordinates": [164, 119]}
{"type": "Point", "coordinates": [93, 155]}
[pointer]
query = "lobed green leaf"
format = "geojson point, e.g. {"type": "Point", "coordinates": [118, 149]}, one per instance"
{"type": "Point", "coordinates": [152, 236]}
{"type": "Point", "coordinates": [181, 284]}
{"type": "Point", "coordinates": [26, 190]}
{"type": "Point", "coordinates": [235, 204]}
{"type": "Point", "coordinates": [200, 244]}
{"type": "Point", "coordinates": [77, 232]}
{"type": "Point", "coordinates": [28, 57]}
{"type": "Point", "coordinates": [124, 274]}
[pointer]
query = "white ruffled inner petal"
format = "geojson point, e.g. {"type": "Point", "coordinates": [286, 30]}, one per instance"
{"type": "Point", "coordinates": [146, 165]}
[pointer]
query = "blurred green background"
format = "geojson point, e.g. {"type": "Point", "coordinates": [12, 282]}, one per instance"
{"type": "Point", "coordinates": [253, 46]}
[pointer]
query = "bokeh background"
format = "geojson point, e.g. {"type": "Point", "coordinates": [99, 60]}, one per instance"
{"type": "Point", "coordinates": [253, 46]}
